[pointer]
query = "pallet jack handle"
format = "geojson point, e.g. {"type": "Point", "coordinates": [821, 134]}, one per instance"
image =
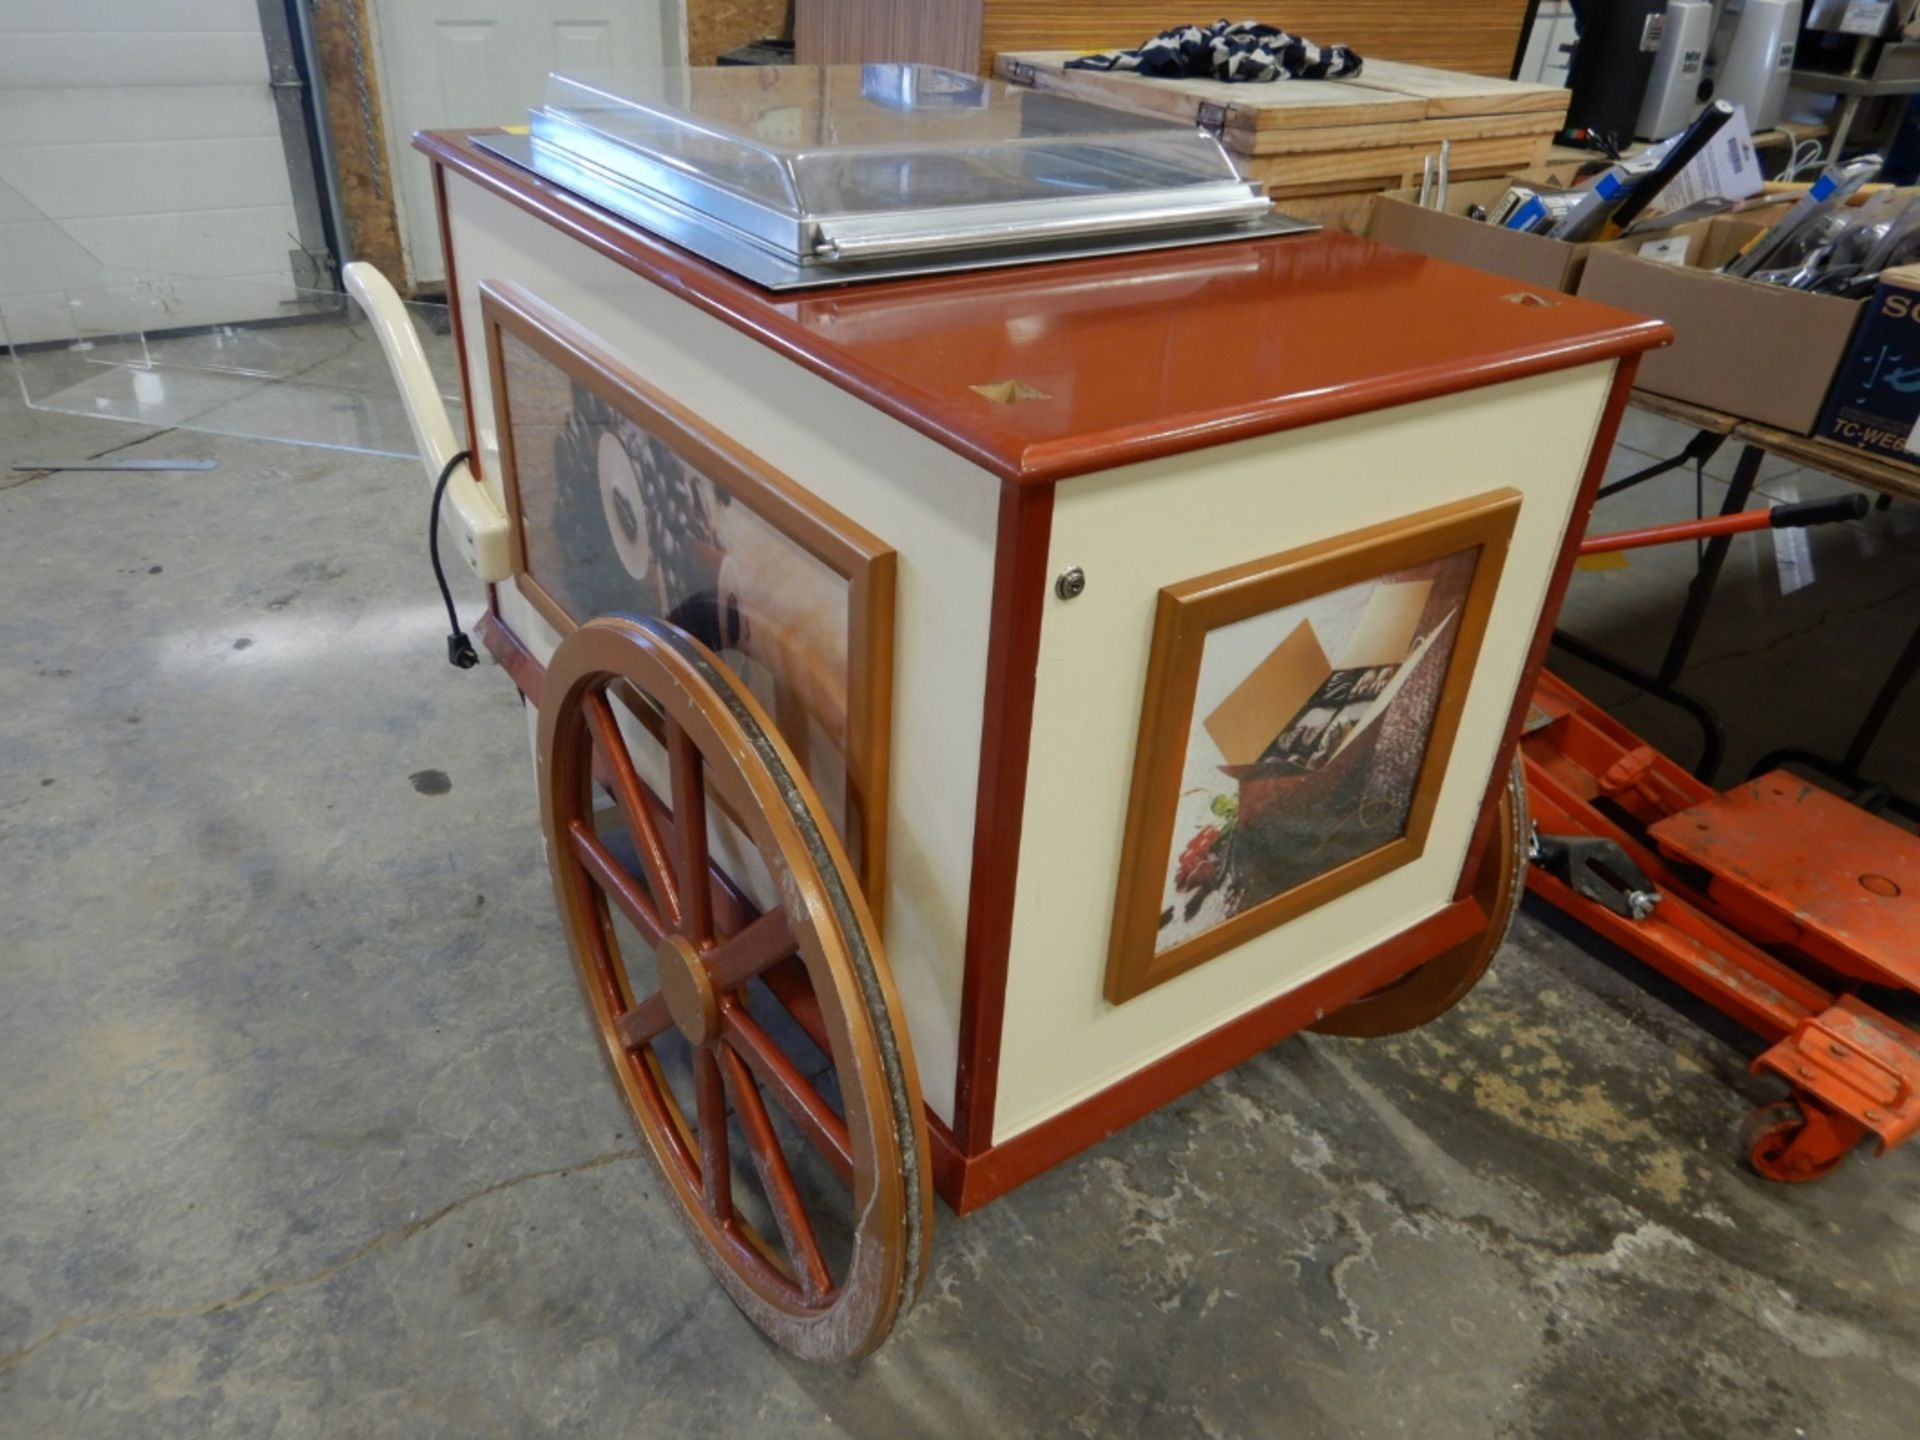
{"type": "Point", "coordinates": [1794, 516]}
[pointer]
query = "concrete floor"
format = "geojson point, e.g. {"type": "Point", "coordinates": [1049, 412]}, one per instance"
{"type": "Point", "coordinates": [304, 1135]}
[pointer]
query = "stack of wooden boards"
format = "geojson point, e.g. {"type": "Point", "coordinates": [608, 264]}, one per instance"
{"type": "Point", "coordinates": [1333, 137]}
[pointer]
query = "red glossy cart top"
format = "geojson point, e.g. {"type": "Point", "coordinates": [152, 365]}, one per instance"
{"type": "Point", "coordinates": [1038, 372]}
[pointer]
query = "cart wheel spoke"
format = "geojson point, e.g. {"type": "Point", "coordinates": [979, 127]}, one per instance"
{"type": "Point", "coordinates": [710, 1098]}
{"type": "Point", "coordinates": [776, 1180]}
{"type": "Point", "coordinates": [744, 954]}
{"type": "Point", "coordinates": [614, 881]}
{"type": "Point", "coordinates": [644, 1023]}
{"type": "Point", "coordinates": [690, 835]}
{"type": "Point", "coordinates": [603, 969]}
{"type": "Point", "coordinates": [655, 1100]}
{"type": "Point", "coordinates": [630, 795]}
{"type": "Point", "coordinates": [796, 1094]}
{"type": "Point", "coordinates": [830, 1267]}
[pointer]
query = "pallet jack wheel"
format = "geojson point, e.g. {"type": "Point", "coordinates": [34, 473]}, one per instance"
{"type": "Point", "coordinates": [1791, 1143]}
{"type": "Point", "coordinates": [1432, 989]}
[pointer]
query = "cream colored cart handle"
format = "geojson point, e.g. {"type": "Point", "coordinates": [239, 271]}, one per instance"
{"type": "Point", "coordinates": [474, 521]}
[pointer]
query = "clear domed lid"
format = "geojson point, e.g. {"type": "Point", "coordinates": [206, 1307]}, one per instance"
{"type": "Point", "coordinates": [844, 164]}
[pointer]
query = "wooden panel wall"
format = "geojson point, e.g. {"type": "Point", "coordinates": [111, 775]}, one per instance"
{"type": "Point", "coordinates": [717, 26]}
{"type": "Point", "coordinates": [1479, 36]}
{"type": "Point", "coordinates": [344, 36]}
{"type": "Point", "coordinates": [931, 32]}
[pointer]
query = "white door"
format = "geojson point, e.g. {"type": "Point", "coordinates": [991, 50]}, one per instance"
{"type": "Point", "coordinates": [137, 135]}
{"type": "Point", "coordinates": [465, 63]}
{"type": "Point", "coordinates": [1550, 45]}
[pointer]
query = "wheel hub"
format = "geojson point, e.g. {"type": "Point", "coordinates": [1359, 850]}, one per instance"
{"type": "Point", "coordinates": [691, 999]}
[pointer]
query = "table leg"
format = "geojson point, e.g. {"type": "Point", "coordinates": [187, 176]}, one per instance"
{"type": "Point", "coordinates": [1662, 685]}
{"type": "Point", "coordinates": [1842, 123]}
{"type": "Point", "coordinates": [1847, 769]}
{"type": "Point", "coordinates": [1700, 592]}
{"type": "Point", "coordinates": [1698, 451]}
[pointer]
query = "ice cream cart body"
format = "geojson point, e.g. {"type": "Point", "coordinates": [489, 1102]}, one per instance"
{"type": "Point", "coordinates": [1065, 679]}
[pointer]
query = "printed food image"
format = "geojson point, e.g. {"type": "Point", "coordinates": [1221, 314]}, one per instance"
{"type": "Point", "coordinates": [1310, 726]}
{"type": "Point", "coordinates": [617, 522]}
{"type": "Point", "coordinates": [1330, 718]}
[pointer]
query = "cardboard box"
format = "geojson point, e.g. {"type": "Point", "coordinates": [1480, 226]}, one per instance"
{"type": "Point", "coordinates": [1448, 235]}
{"type": "Point", "coordinates": [1761, 352]}
{"type": "Point", "coordinates": [1875, 402]}
{"type": "Point", "coordinates": [1298, 710]}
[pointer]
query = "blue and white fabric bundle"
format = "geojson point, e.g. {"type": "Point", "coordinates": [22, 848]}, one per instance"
{"type": "Point", "coordinates": [1239, 50]}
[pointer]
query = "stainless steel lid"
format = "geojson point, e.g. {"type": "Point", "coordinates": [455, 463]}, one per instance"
{"type": "Point", "coordinates": [809, 175]}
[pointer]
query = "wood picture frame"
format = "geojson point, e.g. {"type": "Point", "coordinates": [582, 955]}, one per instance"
{"type": "Point", "coordinates": [1281, 738]}
{"type": "Point", "coordinates": [513, 317]}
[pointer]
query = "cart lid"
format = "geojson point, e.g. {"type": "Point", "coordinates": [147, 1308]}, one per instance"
{"type": "Point", "coordinates": [823, 174]}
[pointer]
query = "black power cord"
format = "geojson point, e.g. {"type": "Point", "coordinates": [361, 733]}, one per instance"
{"type": "Point", "coordinates": [460, 651]}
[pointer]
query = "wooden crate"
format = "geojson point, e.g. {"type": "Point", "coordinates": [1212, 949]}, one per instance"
{"type": "Point", "coordinates": [1330, 137]}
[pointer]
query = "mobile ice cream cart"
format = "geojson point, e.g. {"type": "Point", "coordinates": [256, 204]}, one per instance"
{"type": "Point", "coordinates": [1013, 627]}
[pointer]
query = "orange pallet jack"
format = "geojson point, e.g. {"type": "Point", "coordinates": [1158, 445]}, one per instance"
{"type": "Point", "coordinates": [1776, 902]}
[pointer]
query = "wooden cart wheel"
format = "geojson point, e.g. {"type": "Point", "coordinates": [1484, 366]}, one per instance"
{"type": "Point", "coordinates": [823, 1265]}
{"type": "Point", "coordinates": [1432, 989]}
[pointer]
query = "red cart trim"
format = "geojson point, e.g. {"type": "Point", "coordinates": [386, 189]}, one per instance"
{"type": "Point", "coordinates": [966, 1182]}
{"type": "Point", "coordinates": [1562, 577]}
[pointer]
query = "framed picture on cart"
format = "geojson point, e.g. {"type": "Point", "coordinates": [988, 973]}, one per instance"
{"type": "Point", "coordinates": [621, 501]}
{"type": "Point", "coordinates": [1298, 717]}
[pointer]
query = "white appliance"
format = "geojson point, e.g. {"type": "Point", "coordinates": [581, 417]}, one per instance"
{"type": "Point", "coordinates": [1750, 61]}
{"type": "Point", "coordinates": [1674, 89]}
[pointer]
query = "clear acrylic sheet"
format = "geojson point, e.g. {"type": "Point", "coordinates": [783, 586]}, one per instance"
{"type": "Point", "coordinates": [227, 356]}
